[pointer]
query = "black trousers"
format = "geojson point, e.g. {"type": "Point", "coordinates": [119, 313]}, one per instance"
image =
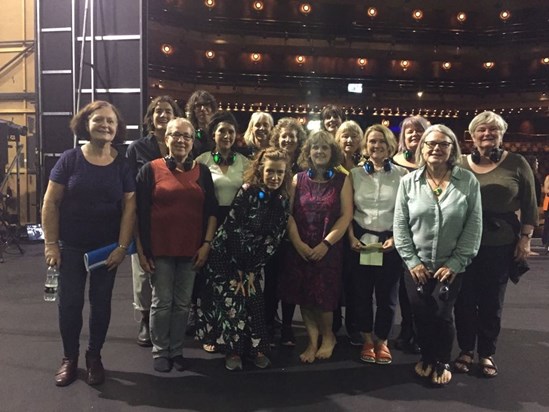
{"type": "Point", "coordinates": [72, 285]}
{"type": "Point", "coordinates": [381, 281]}
{"type": "Point", "coordinates": [434, 317]}
{"type": "Point", "coordinates": [480, 303]}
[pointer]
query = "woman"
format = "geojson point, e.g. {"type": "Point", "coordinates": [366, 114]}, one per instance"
{"type": "Point", "coordinates": [226, 165]}
{"type": "Point", "coordinates": [545, 234]}
{"type": "Point", "coordinates": [258, 134]}
{"type": "Point", "coordinates": [507, 185]}
{"type": "Point", "coordinates": [322, 209]}
{"type": "Point", "coordinates": [89, 203]}
{"type": "Point", "coordinates": [175, 196]}
{"type": "Point", "coordinates": [411, 130]}
{"type": "Point", "coordinates": [331, 117]}
{"type": "Point", "coordinates": [160, 111]}
{"type": "Point", "coordinates": [289, 136]}
{"type": "Point", "coordinates": [348, 136]}
{"type": "Point", "coordinates": [200, 108]}
{"type": "Point", "coordinates": [234, 315]}
{"type": "Point", "coordinates": [375, 187]}
{"type": "Point", "coordinates": [437, 228]}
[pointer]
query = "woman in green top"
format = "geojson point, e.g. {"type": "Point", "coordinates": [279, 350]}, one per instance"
{"type": "Point", "coordinates": [506, 185]}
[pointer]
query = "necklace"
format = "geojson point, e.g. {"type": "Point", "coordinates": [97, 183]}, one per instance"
{"type": "Point", "coordinates": [437, 190]}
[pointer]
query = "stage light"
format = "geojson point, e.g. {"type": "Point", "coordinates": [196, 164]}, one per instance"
{"type": "Point", "coordinates": [505, 15]}
{"type": "Point", "coordinates": [420, 94]}
{"type": "Point", "coordinates": [488, 65]}
{"type": "Point", "coordinates": [210, 54]}
{"type": "Point", "coordinates": [167, 49]}
{"type": "Point", "coordinates": [256, 57]}
{"type": "Point", "coordinates": [305, 8]}
{"type": "Point", "coordinates": [209, 3]}
{"type": "Point", "coordinates": [300, 59]}
{"type": "Point", "coordinates": [405, 64]}
{"type": "Point", "coordinates": [446, 65]}
{"type": "Point", "coordinates": [372, 11]}
{"type": "Point", "coordinates": [545, 60]}
{"type": "Point", "coordinates": [385, 122]}
{"type": "Point", "coordinates": [361, 61]}
{"type": "Point", "coordinates": [417, 14]}
{"type": "Point", "coordinates": [258, 5]}
{"type": "Point", "coordinates": [461, 16]}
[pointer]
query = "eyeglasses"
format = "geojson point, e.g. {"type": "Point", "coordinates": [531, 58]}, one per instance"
{"type": "Point", "coordinates": [177, 136]}
{"type": "Point", "coordinates": [441, 145]}
{"type": "Point", "coordinates": [205, 105]}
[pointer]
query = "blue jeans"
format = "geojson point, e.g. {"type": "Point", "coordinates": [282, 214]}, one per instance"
{"type": "Point", "coordinates": [72, 284]}
{"type": "Point", "coordinates": [172, 288]}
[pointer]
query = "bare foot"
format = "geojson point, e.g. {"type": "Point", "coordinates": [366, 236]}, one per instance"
{"type": "Point", "coordinates": [423, 370]}
{"type": "Point", "coordinates": [327, 347]}
{"type": "Point", "coordinates": [309, 355]}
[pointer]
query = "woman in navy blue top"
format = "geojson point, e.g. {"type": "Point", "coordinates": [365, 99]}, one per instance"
{"type": "Point", "coordinates": [89, 203]}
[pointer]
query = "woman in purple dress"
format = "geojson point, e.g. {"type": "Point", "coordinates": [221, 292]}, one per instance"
{"type": "Point", "coordinates": [322, 208]}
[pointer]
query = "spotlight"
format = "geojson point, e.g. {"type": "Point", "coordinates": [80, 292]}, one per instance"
{"type": "Point", "coordinates": [488, 65]}
{"type": "Point", "coordinates": [385, 122]}
{"type": "Point", "coordinates": [372, 11]}
{"type": "Point", "coordinates": [305, 8]}
{"type": "Point", "coordinates": [420, 94]}
{"type": "Point", "coordinates": [461, 16]}
{"type": "Point", "coordinates": [300, 59]}
{"type": "Point", "coordinates": [255, 57]}
{"type": "Point", "coordinates": [167, 49]}
{"type": "Point", "coordinates": [258, 5]}
{"type": "Point", "coordinates": [446, 65]}
{"type": "Point", "coordinates": [417, 14]}
{"type": "Point", "coordinates": [209, 3]}
{"type": "Point", "coordinates": [405, 64]}
{"type": "Point", "coordinates": [361, 61]}
{"type": "Point", "coordinates": [505, 15]}
{"type": "Point", "coordinates": [210, 54]}
{"type": "Point", "coordinates": [545, 60]}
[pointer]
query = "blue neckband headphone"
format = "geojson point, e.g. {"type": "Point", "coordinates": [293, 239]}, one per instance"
{"type": "Point", "coordinates": [370, 169]}
{"type": "Point", "coordinates": [328, 174]}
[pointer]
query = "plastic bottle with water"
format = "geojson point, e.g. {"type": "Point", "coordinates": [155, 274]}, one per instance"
{"type": "Point", "coordinates": [52, 281]}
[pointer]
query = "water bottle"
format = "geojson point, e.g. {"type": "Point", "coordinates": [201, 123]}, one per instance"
{"type": "Point", "coordinates": [52, 280]}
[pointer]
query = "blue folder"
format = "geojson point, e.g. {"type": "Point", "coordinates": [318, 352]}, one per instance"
{"type": "Point", "coordinates": [97, 258]}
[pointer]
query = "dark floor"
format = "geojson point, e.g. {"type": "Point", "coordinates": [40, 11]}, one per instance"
{"type": "Point", "coordinates": [31, 352]}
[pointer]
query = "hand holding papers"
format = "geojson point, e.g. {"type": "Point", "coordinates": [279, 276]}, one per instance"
{"type": "Point", "coordinates": [371, 254]}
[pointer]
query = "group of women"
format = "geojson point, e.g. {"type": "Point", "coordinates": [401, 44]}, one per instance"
{"type": "Point", "coordinates": [362, 214]}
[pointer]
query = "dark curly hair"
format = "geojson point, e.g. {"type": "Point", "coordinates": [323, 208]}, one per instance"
{"type": "Point", "coordinates": [221, 116]}
{"type": "Point", "coordinates": [79, 122]}
{"type": "Point", "coordinates": [191, 103]}
{"type": "Point", "coordinates": [148, 118]}
{"type": "Point", "coordinates": [253, 175]}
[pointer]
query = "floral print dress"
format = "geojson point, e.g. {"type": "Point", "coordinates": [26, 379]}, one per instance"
{"type": "Point", "coordinates": [243, 244]}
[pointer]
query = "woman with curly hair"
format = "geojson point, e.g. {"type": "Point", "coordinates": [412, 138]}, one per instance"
{"type": "Point", "coordinates": [233, 310]}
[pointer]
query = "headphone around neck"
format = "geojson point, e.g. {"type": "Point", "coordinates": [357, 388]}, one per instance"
{"type": "Point", "coordinates": [219, 160]}
{"type": "Point", "coordinates": [172, 163]}
{"type": "Point", "coordinates": [328, 174]}
{"type": "Point", "coordinates": [495, 155]}
{"type": "Point", "coordinates": [408, 155]}
{"type": "Point", "coordinates": [370, 169]}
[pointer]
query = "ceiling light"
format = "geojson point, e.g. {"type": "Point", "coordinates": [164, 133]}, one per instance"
{"type": "Point", "coordinates": [545, 60]}
{"type": "Point", "coordinates": [505, 15]}
{"type": "Point", "coordinates": [255, 57]}
{"type": "Point", "coordinates": [446, 65]}
{"type": "Point", "coordinates": [461, 16]}
{"type": "Point", "coordinates": [210, 54]}
{"type": "Point", "coordinates": [385, 122]}
{"type": "Point", "coordinates": [300, 59]}
{"type": "Point", "coordinates": [488, 65]}
{"type": "Point", "coordinates": [305, 8]}
{"type": "Point", "coordinates": [420, 94]}
{"type": "Point", "coordinates": [361, 61]}
{"type": "Point", "coordinates": [405, 64]}
{"type": "Point", "coordinates": [209, 3]}
{"type": "Point", "coordinates": [258, 5]}
{"type": "Point", "coordinates": [417, 14]}
{"type": "Point", "coordinates": [372, 11]}
{"type": "Point", "coordinates": [167, 49]}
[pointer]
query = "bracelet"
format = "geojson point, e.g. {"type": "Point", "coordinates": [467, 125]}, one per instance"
{"type": "Point", "coordinates": [123, 247]}
{"type": "Point", "coordinates": [528, 235]}
{"type": "Point", "coordinates": [327, 243]}
{"type": "Point", "coordinates": [51, 243]}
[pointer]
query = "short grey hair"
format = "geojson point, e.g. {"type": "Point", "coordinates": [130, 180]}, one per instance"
{"type": "Point", "coordinates": [455, 155]}
{"type": "Point", "coordinates": [487, 117]}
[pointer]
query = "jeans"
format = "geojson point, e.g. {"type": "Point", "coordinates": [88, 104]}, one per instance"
{"type": "Point", "coordinates": [142, 291]}
{"type": "Point", "coordinates": [172, 288]}
{"type": "Point", "coordinates": [72, 284]}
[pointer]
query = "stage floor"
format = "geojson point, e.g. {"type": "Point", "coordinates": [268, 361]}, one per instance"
{"type": "Point", "coordinates": [31, 353]}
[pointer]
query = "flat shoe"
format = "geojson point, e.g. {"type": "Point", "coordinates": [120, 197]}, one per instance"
{"type": "Point", "coordinates": [209, 347]}
{"type": "Point", "coordinates": [262, 361]}
{"type": "Point", "coordinates": [162, 364]}
{"type": "Point", "coordinates": [67, 373]}
{"type": "Point", "coordinates": [368, 354]}
{"type": "Point", "coordinates": [383, 355]}
{"type": "Point", "coordinates": [179, 363]}
{"type": "Point", "coordinates": [461, 364]}
{"type": "Point", "coordinates": [233, 363]}
{"type": "Point", "coordinates": [486, 367]}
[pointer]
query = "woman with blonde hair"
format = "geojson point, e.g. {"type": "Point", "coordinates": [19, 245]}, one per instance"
{"type": "Point", "coordinates": [258, 134]}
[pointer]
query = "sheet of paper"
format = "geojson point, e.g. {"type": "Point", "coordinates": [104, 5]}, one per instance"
{"type": "Point", "coordinates": [371, 255]}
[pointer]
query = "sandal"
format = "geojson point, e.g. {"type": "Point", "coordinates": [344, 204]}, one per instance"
{"type": "Point", "coordinates": [488, 370]}
{"type": "Point", "coordinates": [367, 354]}
{"type": "Point", "coordinates": [423, 369]}
{"type": "Point", "coordinates": [383, 355]}
{"type": "Point", "coordinates": [438, 372]}
{"type": "Point", "coordinates": [209, 347]}
{"type": "Point", "coordinates": [463, 363]}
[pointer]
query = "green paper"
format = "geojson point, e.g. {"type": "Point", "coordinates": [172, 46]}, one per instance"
{"type": "Point", "coordinates": [371, 255]}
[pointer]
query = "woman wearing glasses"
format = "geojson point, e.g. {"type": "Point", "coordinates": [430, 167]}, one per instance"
{"type": "Point", "coordinates": [176, 210]}
{"type": "Point", "coordinates": [437, 229]}
{"type": "Point", "coordinates": [200, 108]}
{"type": "Point", "coordinates": [507, 185]}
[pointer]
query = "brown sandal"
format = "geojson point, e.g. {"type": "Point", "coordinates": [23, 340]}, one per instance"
{"type": "Point", "coordinates": [463, 365]}
{"type": "Point", "coordinates": [367, 354]}
{"type": "Point", "coordinates": [488, 370]}
{"type": "Point", "coordinates": [383, 355]}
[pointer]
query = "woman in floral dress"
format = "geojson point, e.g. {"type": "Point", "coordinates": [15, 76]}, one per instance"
{"type": "Point", "coordinates": [233, 311]}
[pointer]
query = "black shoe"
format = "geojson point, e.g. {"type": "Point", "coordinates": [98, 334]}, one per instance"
{"type": "Point", "coordinates": [162, 364]}
{"type": "Point", "coordinates": [356, 339]}
{"type": "Point", "coordinates": [67, 373]}
{"type": "Point", "coordinates": [95, 371]}
{"type": "Point", "coordinates": [179, 363]}
{"type": "Point", "coordinates": [287, 337]}
{"type": "Point", "coordinates": [191, 322]}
